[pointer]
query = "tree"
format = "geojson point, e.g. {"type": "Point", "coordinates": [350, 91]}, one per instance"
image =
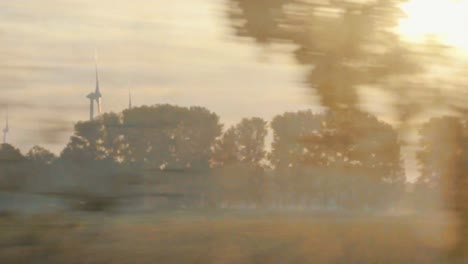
{"type": "Point", "coordinates": [92, 164]}
{"type": "Point", "coordinates": [238, 157]}
{"type": "Point", "coordinates": [443, 159]}
{"type": "Point", "coordinates": [13, 167]}
{"type": "Point", "coordinates": [40, 155]}
{"type": "Point", "coordinates": [83, 144]}
{"type": "Point", "coordinates": [288, 155]}
{"type": "Point", "coordinates": [244, 142]}
{"type": "Point", "coordinates": [171, 136]}
{"type": "Point", "coordinates": [369, 150]}
{"type": "Point", "coordinates": [10, 154]}
{"type": "Point", "coordinates": [336, 158]}
{"type": "Point", "coordinates": [96, 139]}
{"type": "Point", "coordinates": [439, 151]}
{"type": "Point", "coordinates": [40, 164]}
{"type": "Point", "coordinates": [288, 130]}
{"type": "Point", "coordinates": [142, 141]}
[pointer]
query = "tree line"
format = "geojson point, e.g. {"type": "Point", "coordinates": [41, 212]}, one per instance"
{"type": "Point", "coordinates": [344, 159]}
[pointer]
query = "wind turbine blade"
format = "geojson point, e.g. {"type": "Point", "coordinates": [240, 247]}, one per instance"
{"type": "Point", "coordinates": [97, 81]}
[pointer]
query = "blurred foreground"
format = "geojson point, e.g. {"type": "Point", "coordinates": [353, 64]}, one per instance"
{"type": "Point", "coordinates": [224, 237]}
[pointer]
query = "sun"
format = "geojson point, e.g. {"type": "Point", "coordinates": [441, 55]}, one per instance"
{"type": "Point", "coordinates": [444, 20]}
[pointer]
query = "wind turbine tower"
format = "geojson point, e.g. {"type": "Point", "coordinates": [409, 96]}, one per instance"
{"type": "Point", "coordinates": [91, 98]}
{"type": "Point", "coordinates": [6, 129]}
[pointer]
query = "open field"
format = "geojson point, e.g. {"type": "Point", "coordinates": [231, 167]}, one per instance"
{"type": "Point", "coordinates": [229, 237]}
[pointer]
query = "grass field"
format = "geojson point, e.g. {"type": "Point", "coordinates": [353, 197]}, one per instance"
{"type": "Point", "coordinates": [223, 237]}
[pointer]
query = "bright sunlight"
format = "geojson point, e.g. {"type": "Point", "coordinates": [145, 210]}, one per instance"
{"type": "Point", "coordinates": [444, 20]}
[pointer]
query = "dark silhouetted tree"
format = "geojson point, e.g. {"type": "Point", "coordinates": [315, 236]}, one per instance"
{"type": "Point", "coordinates": [40, 155]}
{"type": "Point", "coordinates": [444, 165]}
{"type": "Point", "coordinates": [439, 152]}
{"type": "Point", "coordinates": [346, 159]}
{"type": "Point", "coordinates": [92, 163]}
{"type": "Point", "coordinates": [288, 155]}
{"type": "Point", "coordinates": [13, 167]}
{"type": "Point", "coordinates": [40, 165]}
{"type": "Point", "coordinates": [244, 142]}
{"type": "Point", "coordinates": [97, 139]}
{"type": "Point", "coordinates": [171, 136]}
{"type": "Point", "coordinates": [369, 149]}
{"type": "Point", "coordinates": [238, 157]}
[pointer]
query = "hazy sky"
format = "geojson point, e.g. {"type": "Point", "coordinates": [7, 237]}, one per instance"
{"type": "Point", "coordinates": [178, 52]}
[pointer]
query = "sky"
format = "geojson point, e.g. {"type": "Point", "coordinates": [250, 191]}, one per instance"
{"type": "Point", "coordinates": [178, 52]}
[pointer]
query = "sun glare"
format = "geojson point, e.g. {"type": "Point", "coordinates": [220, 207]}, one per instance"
{"type": "Point", "coordinates": [444, 20]}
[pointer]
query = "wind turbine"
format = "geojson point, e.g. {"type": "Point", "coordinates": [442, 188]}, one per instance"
{"type": "Point", "coordinates": [6, 129]}
{"type": "Point", "coordinates": [97, 92]}
{"type": "Point", "coordinates": [96, 95]}
{"type": "Point", "coordinates": [129, 99]}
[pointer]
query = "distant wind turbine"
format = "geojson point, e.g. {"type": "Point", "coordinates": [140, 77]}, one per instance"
{"type": "Point", "coordinates": [129, 99]}
{"type": "Point", "coordinates": [97, 92]}
{"type": "Point", "coordinates": [96, 95]}
{"type": "Point", "coordinates": [6, 129]}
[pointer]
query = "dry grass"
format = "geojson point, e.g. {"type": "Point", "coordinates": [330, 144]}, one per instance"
{"type": "Point", "coordinates": [216, 238]}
